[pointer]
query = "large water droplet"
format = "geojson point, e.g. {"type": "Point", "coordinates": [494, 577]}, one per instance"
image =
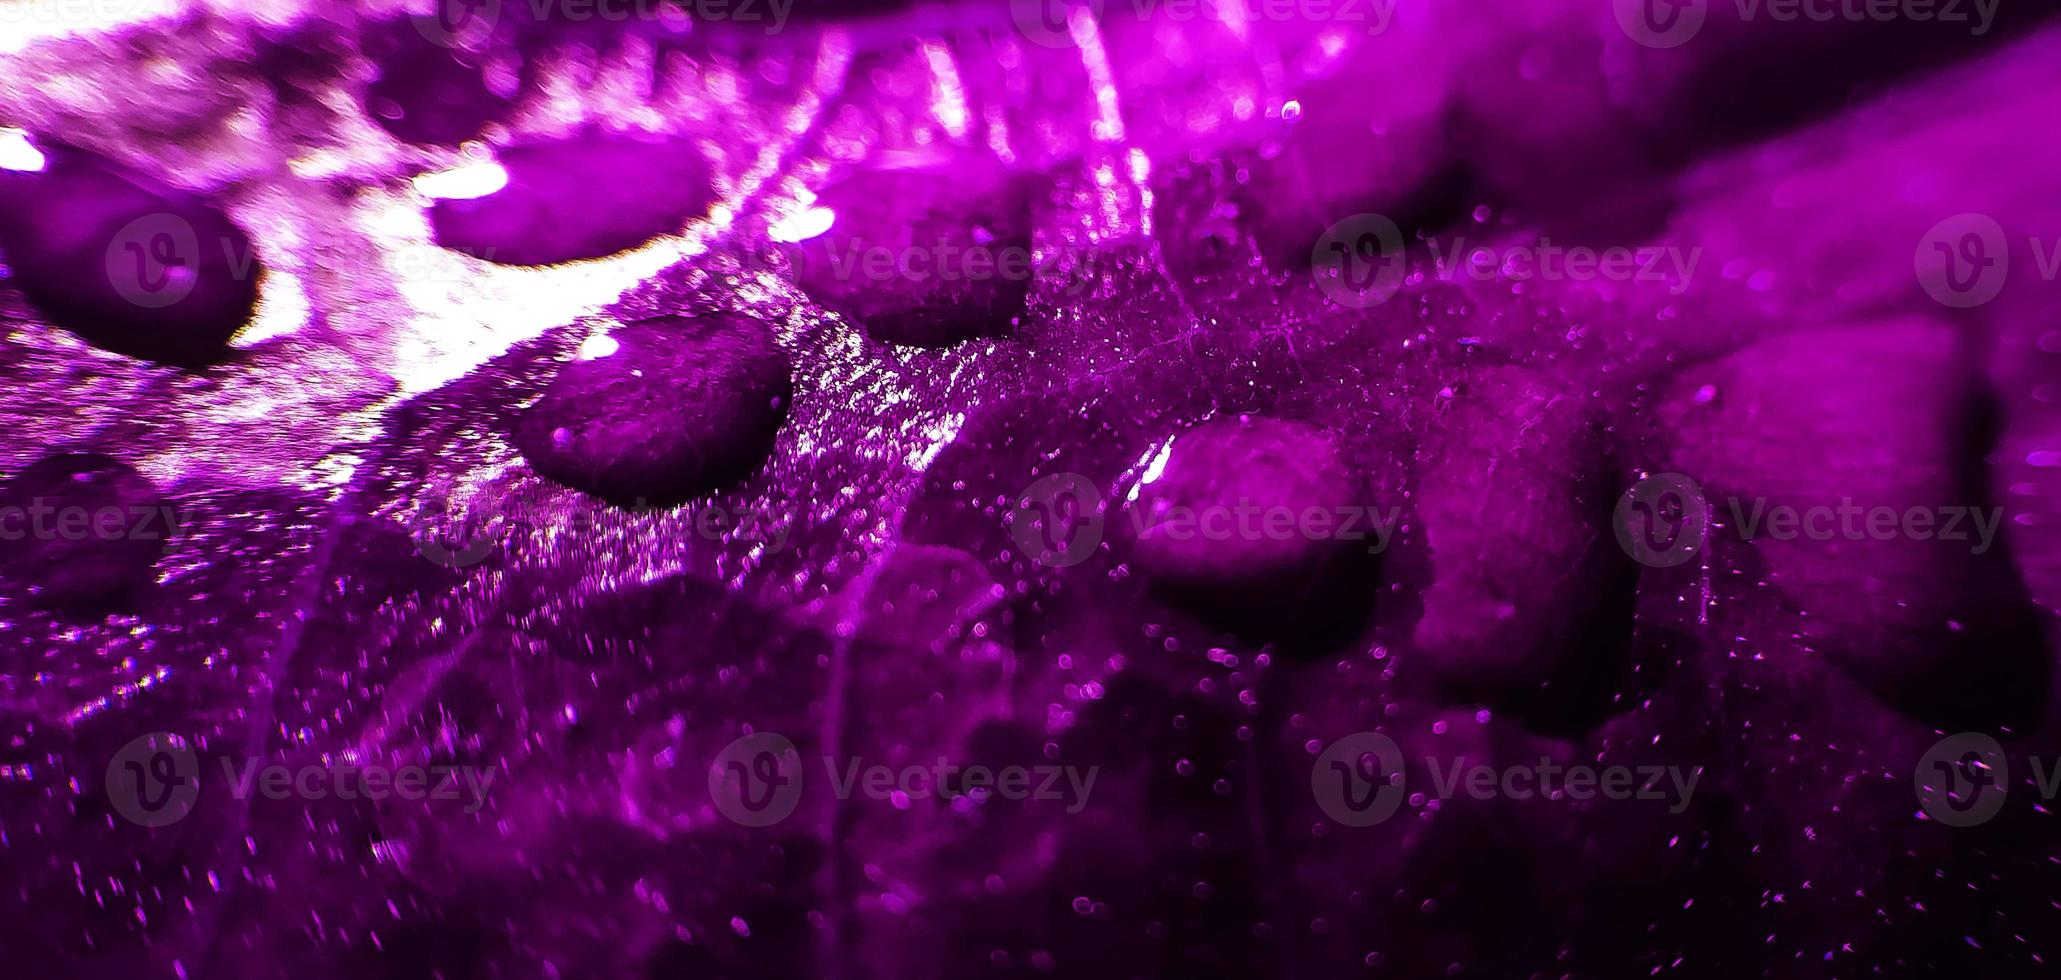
{"type": "Point", "coordinates": [127, 262]}
{"type": "Point", "coordinates": [579, 198]}
{"type": "Point", "coordinates": [680, 407]}
{"type": "Point", "coordinates": [81, 530]}
{"type": "Point", "coordinates": [927, 255]}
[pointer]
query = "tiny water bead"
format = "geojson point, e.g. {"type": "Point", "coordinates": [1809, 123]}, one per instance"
{"type": "Point", "coordinates": [675, 407]}
{"type": "Point", "coordinates": [579, 198]}
{"type": "Point", "coordinates": [81, 531]}
{"type": "Point", "coordinates": [927, 255]}
{"type": "Point", "coordinates": [127, 262]}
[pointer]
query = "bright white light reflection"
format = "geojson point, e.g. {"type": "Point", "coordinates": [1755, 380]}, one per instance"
{"type": "Point", "coordinates": [802, 225]}
{"type": "Point", "coordinates": [17, 153]}
{"type": "Point", "coordinates": [1153, 470]}
{"type": "Point", "coordinates": [29, 21]}
{"type": "Point", "coordinates": [464, 183]}
{"type": "Point", "coordinates": [598, 346]}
